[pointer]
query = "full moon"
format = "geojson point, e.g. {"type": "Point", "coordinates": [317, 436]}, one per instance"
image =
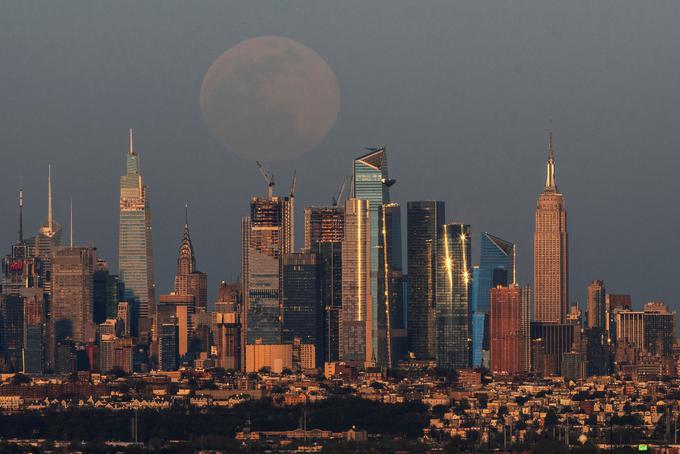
{"type": "Point", "coordinates": [269, 98]}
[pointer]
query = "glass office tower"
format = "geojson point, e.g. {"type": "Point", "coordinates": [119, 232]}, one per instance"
{"type": "Point", "coordinates": [425, 221]}
{"type": "Point", "coordinates": [324, 232]}
{"type": "Point", "coordinates": [302, 304]}
{"type": "Point", "coordinates": [393, 343]}
{"type": "Point", "coordinates": [330, 257]}
{"type": "Point", "coordinates": [135, 253]}
{"type": "Point", "coordinates": [371, 183]}
{"type": "Point", "coordinates": [370, 173]}
{"type": "Point", "coordinates": [356, 320]}
{"type": "Point", "coordinates": [496, 267]}
{"type": "Point", "coordinates": [453, 297]}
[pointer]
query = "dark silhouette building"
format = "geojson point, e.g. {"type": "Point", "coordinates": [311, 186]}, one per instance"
{"type": "Point", "coordinates": [425, 221]}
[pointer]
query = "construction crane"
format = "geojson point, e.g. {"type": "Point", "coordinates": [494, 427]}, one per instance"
{"type": "Point", "coordinates": [269, 178]}
{"type": "Point", "coordinates": [341, 191]}
{"type": "Point", "coordinates": [291, 213]}
{"type": "Point", "coordinates": [292, 186]}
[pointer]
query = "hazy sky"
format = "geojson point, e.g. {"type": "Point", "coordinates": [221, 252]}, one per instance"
{"type": "Point", "coordinates": [460, 92]}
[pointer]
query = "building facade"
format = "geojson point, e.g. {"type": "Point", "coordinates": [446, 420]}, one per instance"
{"type": "Point", "coordinates": [372, 183]}
{"type": "Point", "coordinates": [496, 267]}
{"type": "Point", "coordinates": [188, 280]}
{"type": "Point", "coordinates": [135, 251]}
{"type": "Point", "coordinates": [509, 334]}
{"type": "Point", "coordinates": [597, 310]}
{"type": "Point", "coordinates": [425, 222]}
{"type": "Point", "coordinates": [302, 304]}
{"type": "Point", "coordinates": [551, 264]}
{"type": "Point", "coordinates": [266, 238]}
{"type": "Point", "coordinates": [356, 321]}
{"type": "Point", "coordinates": [323, 224]}
{"type": "Point", "coordinates": [72, 294]}
{"type": "Point", "coordinates": [392, 336]}
{"type": "Point", "coordinates": [452, 307]}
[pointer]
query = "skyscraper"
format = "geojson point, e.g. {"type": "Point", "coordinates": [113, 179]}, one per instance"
{"type": "Point", "coordinates": [371, 182]}
{"type": "Point", "coordinates": [188, 280]}
{"type": "Point", "coordinates": [323, 224]}
{"type": "Point", "coordinates": [454, 277]}
{"type": "Point", "coordinates": [302, 311]}
{"type": "Point", "coordinates": [551, 264]}
{"type": "Point", "coordinates": [597, 311]}
{"type": "Point", "coordinates": [659, 329]}
{"type": "Point", "coordinates": [509, 334]}
{"type": "Point", "coordinates": [324, 231]}
{"type": "Point", "coordinates": [12, 331]}
{"type": "Point", "coordinates": [72, 295]}
{"type": "Point", "coordinates": [496, 267]}
{"type": "Point", "coordinates": [630, 328]}
{"type": "Point", "coordinates": [612, 303]}
{"type": "Point", "coordinates": [425, 222]}
{"type": "Point", "coordinates": [556, 339]}
{"type": "Point", "coordinates": [178, 309]}
{"type": "Point", "coordinates": [356, 321]}
{"type": "Point", "coordinates": [135, 253]}
{"type": "Point", "coordinates": [47, 241]}
{"type": "Point", "coordinates": [168, 346]}
{"type": "Point", "coordinates": [266, 238]}
{"type": "Point", "coordinates": [20, 268]}
{"type": "Point", "coordinates": [392, 339]}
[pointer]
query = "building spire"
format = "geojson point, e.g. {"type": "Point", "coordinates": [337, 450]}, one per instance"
{"type": "Point", "coordinates": [550, 167]}
{"type": "Point", "coordinates": [131, 152]}
{"type": "Point", "coordinates": [186, 262]}
{"type": "Point", "coordinates": [21, 215]}
{"type": "Point", "coordinates": [49, 197]}
{"type": "Point", "coordinates": [71, 224]}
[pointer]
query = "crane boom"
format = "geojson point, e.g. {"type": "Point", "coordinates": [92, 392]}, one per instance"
{"type": "Point", "coordinates": [269, 178]}
{"type": "Point", "coordinates": [341, 192]}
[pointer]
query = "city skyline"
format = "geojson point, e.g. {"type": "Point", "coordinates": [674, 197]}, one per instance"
{"type": "Point", "coordinates": [247, 272]}
{"type": "Point", "coordinates": [133, 166]}
{"type": "Point", "coordinates": [478, 126]}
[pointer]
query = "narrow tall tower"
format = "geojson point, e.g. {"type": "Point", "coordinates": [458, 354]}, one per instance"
{"type": "Point", "coordinates": [551, 264]}
{"type": "Point", "coordinates": [371, 182]}
{"type": "Point", "coordinates": [48, 240]}
{"type": "Point", "coordinates": [135, 253]}
{"type": "Point", "coordinates": [266, 237]}
{"type": "Point", "coordinates": [189, 281]}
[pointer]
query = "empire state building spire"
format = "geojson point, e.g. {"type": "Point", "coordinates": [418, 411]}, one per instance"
{"type": "Point", "coordinates": [551, 262]}
{"type": "Point", "coordinates": [550, 183]}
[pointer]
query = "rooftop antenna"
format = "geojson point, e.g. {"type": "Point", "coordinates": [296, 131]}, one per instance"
{"type": "Point", "coordinates": [269, 178]}
{"type": "Point", "coordinates": [291, 215]}
{"type": "Point", "coordinates": [49, 197]}
{"type": "Point", "coordinates": [21, 214]}
{"type": "Point", "coordinates": [71, 224]}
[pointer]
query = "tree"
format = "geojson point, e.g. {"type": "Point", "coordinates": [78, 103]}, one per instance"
{"type": "Point", "coordinates": [20, 379]}
{"type": "Point", "coordinates": [551, 418]}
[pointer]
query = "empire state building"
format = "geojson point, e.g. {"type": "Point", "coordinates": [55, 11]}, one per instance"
{"type": "Point", "coordinates": [551, 264]}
